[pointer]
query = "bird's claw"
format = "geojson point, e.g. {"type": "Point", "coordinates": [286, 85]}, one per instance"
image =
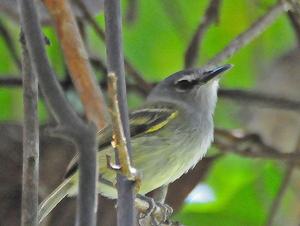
{"type": "Point", "coordinates": [166, 212]}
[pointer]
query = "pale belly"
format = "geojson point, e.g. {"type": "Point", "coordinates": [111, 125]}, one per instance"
{"type": "Point", "coordinates": [159, 161]}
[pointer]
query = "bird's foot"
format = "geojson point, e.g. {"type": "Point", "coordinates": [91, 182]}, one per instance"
{"type": "Point", "coordinates": [156, 213]}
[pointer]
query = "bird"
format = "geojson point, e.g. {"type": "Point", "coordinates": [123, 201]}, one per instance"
{"type": "Point", "coordinates": [170, 133]}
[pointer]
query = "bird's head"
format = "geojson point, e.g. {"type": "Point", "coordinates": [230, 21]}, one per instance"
{"type": "Point", "coordinates": [195, 88]}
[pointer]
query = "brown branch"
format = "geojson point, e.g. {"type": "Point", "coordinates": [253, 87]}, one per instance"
{"type": "Point", "coordinates": [249, 145]}
{"type": "Point", "coordinates": [30, 179]}
{"type": "Point", "coordinates": [210, 17]}
{"type": "Point", "coordinates": [255, 29]}
{"type": "Point", "coordinates": [77, 61]}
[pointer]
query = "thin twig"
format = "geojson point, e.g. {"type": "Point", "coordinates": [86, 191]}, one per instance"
{"type": "Point", "coordinates": [131, 13]}
{"type": "Point", "coordinates": [98, 64]}
{"type": "Point", "coordinates": [99, 31]}
{"type": "Point", "coordinates": [70, 125]}
{"type": "Point", "coordinates": [126, 214]}
{"type": "Point", "coordinates": [290, 167]}
{"type": "Point", "coordinates": [210, 17]}
{"type": "Point", "coordinates": [89, 17]}
{"type": "Point", "coordinates": [294, 17]}
{"type": "Point", "coordinates": [10, 81]}
{"type": "Point", "coordinates": [279, 196]}
{"type": "Point", "coordinates": [255, 29]}
{"type": "Point", "coordinates": [30, 177]}
{"type": "Point", "coordinates": [9, 44]}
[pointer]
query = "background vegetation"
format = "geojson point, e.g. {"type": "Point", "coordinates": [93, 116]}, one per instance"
{"type": "Point", "coordinates": [155, 43]}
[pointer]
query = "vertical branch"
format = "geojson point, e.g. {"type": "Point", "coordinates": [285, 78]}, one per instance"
{"type": "Point", "coordinates": [115, 59]}
{"type": "Point", "coordinates": [70, 125]}
{"type": "Point", "coordinates": [30, 179]}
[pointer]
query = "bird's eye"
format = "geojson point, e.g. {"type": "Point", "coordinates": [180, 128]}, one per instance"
{"type": "Point", "coordinates": [185, 85]}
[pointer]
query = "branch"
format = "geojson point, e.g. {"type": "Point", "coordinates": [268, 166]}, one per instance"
{"type": "Point", "coordinates": [257, 28]}
{"type": "Point", "coordinates": [237, 95]}
{"type": "Point", "coordinates": [294, 17]}
{"type": "Point", "coordinates": [129, 68]}
{"type": "Point", "coordinates": [211, 16]}
{"type": "Point", "coordinates": [282, 189]}
{"type": "Point", "coordinates": [77, 61]}
{"type": "Point", "coordinates": [259, 99]}
{"type": "Point", "coordinates": [74, 129]}
{"type": "Point", "coordinates": [10, 81]}
{"type": "Point", "coordinates": [30, 179]}
{"type": "Point", "coordinates": [132, 11]}
{"type": "Point", "coordinates": [279, 196]}
{"type": "Point", "coordinates": [249, 145]}
{"type": "Point", "coordinates": [126, 214]}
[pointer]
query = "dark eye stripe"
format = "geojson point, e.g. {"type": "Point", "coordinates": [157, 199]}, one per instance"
{"type": "Point", "coordinates": [184, 85]}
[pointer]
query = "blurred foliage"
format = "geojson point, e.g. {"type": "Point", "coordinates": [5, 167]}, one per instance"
{"type": "Point", "coordinates": [155, 44]}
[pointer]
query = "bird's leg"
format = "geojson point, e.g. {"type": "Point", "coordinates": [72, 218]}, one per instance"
{"type": "Point", "coordinates": [166, 210]}
{"type": "Point", "coordinates": [149, 212]}
{"type": "Point", "coordinates": [157, 212]}
{"type": "Point", "coordinates": [159, 195]}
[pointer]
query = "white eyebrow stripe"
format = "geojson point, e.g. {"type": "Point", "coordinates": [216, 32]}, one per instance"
{"type": "Point", "coordinates": [188, 77]}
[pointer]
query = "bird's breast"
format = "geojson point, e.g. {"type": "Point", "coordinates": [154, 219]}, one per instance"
{"type": "Point", "coordinates": [163, 157]}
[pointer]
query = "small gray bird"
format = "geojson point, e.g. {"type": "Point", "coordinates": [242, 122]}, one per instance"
{"type": "Point", "coordinates": [170, 133]}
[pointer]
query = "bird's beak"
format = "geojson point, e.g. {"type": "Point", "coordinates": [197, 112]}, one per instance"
{"type": "Point", "coordinates": [215, 72]}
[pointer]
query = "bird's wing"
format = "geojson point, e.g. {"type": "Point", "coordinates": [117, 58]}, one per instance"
{"type": "Point", "coordinates": [142, 122]}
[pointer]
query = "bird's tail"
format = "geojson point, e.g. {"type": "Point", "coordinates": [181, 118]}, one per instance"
{"type": "Point", "coordinates": [54, 198]}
